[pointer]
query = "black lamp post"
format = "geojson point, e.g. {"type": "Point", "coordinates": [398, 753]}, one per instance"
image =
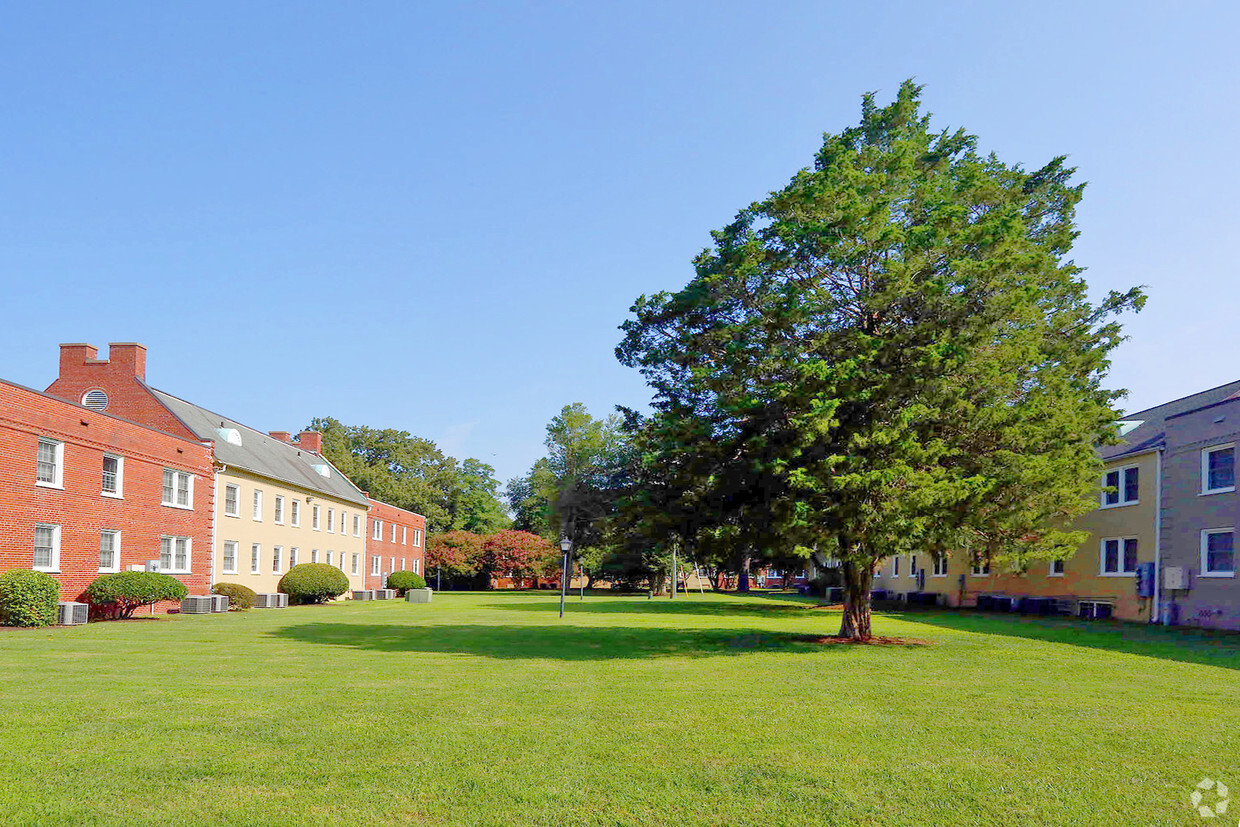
{"type": "Point", "coordinates": [566, 546]}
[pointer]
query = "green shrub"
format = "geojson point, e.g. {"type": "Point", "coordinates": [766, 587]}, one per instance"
{"type": "Point", "coordinates": [240, 598]}
{"type": "Point", "coordinates": [28, 598]}
{"type": "Point", "coordinates": [403, 581]}
{"type": "Point", "coordinates": [313, 583]}
{"type": "Point", "coordinates": [119, 595]}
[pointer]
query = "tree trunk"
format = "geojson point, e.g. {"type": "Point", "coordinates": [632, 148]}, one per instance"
{"type": "Point", "coordinates": [855, 624]}
{"type": "Point", "coordinates": [742, 583]}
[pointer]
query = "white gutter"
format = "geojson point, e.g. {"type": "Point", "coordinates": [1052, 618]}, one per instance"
{"type": "Point", "coordinates": [1155, 610]}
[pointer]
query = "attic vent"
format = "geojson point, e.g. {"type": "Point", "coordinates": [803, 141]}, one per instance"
{"type": "Point", "coordinates": [229, 435]}
{"type": "Point", "coordinates": [322, 470]}
{"type": "Point", "coordinates": [95, 400]}
{"type": "Point", "coordinates": [1129, 426]}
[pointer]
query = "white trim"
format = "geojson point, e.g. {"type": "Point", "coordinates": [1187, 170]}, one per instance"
{"type": "Point", "coordinates": [176, 489]}
{"type": "Point", "coordinates": [278, 505]}
{"type": "Point", "coordinates": [294, 512]}
{"type": "Point", "coordinates": [357, 564]}
{"type": "Point", "coordinates": [257, 515]}
{"type": "Point", "coordinates": [377, 533]}
{"type": "Point", "coordinates": [1121, 488]}
{"type": "Point", "coordinates": [277, 558]}
{"type": "Point", "coordinates": [116, 550]}
{"type": "Point", "coordinates": [54, 568]}
{"type": "Point", "coordinates": [293, 553]}
{"type": "Point", "coordinates": [58, 464]}
{"type": "Point", "coordinates": [935, 560]}
{"type": "Point", "coordinates": [1205, 532]}
{"type": "Point", "coordinates": [1050, 568]}
{"type": "Point", "coordinates": [357, 525]}
{"type": "Point", "coordinates": [331, 521]}
{"type": "Point", "coordinates": [256, 558]}
{"type": "Point", "coordinates": [172, 554]}
{"type": "Point", "coordinates": [315, 522]}
{"type": "Point", "coordinates": [224, 558]}
{"type": "Point", "coordinates": [1205, 469]}
{"type": "Point", "coordinates": [236, 512]}
{"type": "Point", "coordinates": [119, 493]}
{"type": "Point", "coordinates": [1119, 560]}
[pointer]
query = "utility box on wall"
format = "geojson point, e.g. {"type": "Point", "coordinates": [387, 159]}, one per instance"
{"type": "Point", "coordinates": [1145, 579]}
{"type": "Point", "coordinates": [1175, 578]}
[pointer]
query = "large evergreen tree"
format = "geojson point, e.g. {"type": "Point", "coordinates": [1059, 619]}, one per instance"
{"type": "Point", "coordinates": [891, 354]}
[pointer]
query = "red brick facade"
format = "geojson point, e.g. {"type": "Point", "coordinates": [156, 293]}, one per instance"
{"type": "Point", "coordinates": [384, 554]}
{"type": "Point", "coordinates": [78, 439]}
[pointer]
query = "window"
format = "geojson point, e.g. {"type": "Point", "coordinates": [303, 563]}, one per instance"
{"type": "Point", "coordinates": [378, 532]}
{"type": "Point", "coordinates": [392, 564]}
{"type": "Point", "coordinates": [344, 518]}
{"type": "Point", "coordinates": [174, 555]}
{"type": "Point", "coordinates": [342, 562]}
{"type": "Point", "coordinates": [417, 566]}
{"type": "Point", "coordinates": [357, 525]}
{"type": "Point", "coordinates": [314, 555]}
{"type": "Point", "coordinates": [279, 518]}
{"type": "Point", "coordinates": [46, 548]}
{"type": "Point", "coordinates": [331, 521]}
{"type": "Point", "coordinates": [981, 568]}
{"type": "Point", "coordinates": [1119, 556]}
{"type": "Point", "coordinates": [912, 565]}
{"type": "Point", "coordinates": [1094, 610]}
{"type": "Point", "coordinates": [402, 564]}
{"type": "Point", "coordinates": [404, 535]}
{"type": "Point", "coordinates": [258, 506]}
{"type": "Point", "coordinates": [357, 563]}
{"type": "Point", "coordinates": [292, 555]}
{"type": "Point", "coordinates": [1218, 469]}
{"type": "Point", "coordinates": [940, 566]}
{"type": "Point", "coordinates": [178, 489]}
{"type": "Point", "coordinates": [1218, 554]}
{"type": "Point", "coordinates": [895, 566]}
{"type": "Point", "coordinates": [417, 537]}
{"type": "Point", "coordinates": [1056, 569]}
{"type": "Point", "coordinates": [113, 475]}
{"type": "Point", "coordinates": [295, 514]}
{"type": "Point", "coordinates": [109, 550]}
{"type": "Point", "coordinates": [230, 557]}
{"type": "Point", "coordinates": [314, 517]}
{"type": "Point", "coordinates": [232, 501]}
{"type": "Point", "coordinates": [49, 468]}
{"type": "Point", "coordinates": [393, 532]}
{"type": "Point", "coordinates": [1121, 487]}
{"type": "Point", "coordinates": [256, 555]}
{"type": "Point", "coordinates": [329, 559]}
{"type": "Point", "coordinates": [276, 553]}
{"type": "Point", "coordinates": [374, 565]}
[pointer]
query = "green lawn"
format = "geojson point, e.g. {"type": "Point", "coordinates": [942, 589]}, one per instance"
{"type": "Point", "coordinates": [487, 709]}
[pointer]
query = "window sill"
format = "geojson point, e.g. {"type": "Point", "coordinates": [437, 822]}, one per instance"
{"type": "Point", "coordinates": [227, 572]}
{"type": "Point", "coordinates": [53, 571]}
{"type": "Point", "coordinates": [178, 507]}
{"type": "Point", "coordinates": [176, 573]}
{"type": "Point", "coordinates": [1218, 574]}
{"type": "Point", "coordinates": [49, 485]}
{"type": "Point", "coordinates": [1107, 506]}
{"type": "Point", "coordinates": [277, 522]}
{"type": "Point", "coordinates": [111, 496]}
{"type": "Point", "coordinates": [234, 516]}
{"type": "Point", "coordinates": [1054, 574]}
{"type": "Point", "coordinates": [109, 571]}
{"type": "Point", "coordinates": [1117, 574]}
{"type": "Point", "coordinates": [1213, 491]}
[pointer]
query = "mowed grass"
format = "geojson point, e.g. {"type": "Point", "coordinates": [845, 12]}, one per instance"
{"type": "Point", "coordinates": [487, 709]}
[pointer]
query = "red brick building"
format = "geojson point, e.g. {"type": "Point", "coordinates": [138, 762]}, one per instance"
{"type": "Point", "coordinates": [395, 542]}
{"type": "Point", "coordinates": [83, 492]}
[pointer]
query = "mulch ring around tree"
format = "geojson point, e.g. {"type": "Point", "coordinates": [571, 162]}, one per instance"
{"type": "Point", "coordinates": [876, 640]}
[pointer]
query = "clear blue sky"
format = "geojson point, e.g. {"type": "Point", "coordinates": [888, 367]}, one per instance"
{"type": "Point", "coordinates": [433, 216]}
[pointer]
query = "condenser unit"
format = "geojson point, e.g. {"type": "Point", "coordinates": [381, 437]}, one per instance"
{"type": "Point", "coordinates": [266, 600]}
{"type": "Point", "coordinates": [281, 600]}
{"type": "Point", "coordinates": [219, 603]}
{"type": "Point", "coordinates": [385, 594]}
{"type": "Point", "coordinates": [198, 604]}
{"type": "Point", "coordinates": [69, 613]}
{"type": "Point", "coordinates": [363, 594]}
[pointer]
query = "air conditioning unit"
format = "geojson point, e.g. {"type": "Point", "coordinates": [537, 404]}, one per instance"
{"type": "Point", "coordinates": [69, 613]}
{"type": "Point", "coordinates": [198, 604]}
{"type": "Point", "coordinates": [418, 596]}
{"type": "Point", "coordinates": [219, 603]}
{"type": "Point", "coordinates": [1175, 578]}
{"type": "Point", "coordinates": [281, 600]}
{"type": "Point", "coordinates": [363, 594]}
{"type": "Point", "coordinates": [385, 594]}
{"type": "Point", "coordinates": [152, 565]}
{"type": "Point", "coordinates": [266, 600]}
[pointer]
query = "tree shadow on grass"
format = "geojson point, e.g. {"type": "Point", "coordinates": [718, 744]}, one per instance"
{"type": "Point", "coordinates": [553, 642]}
{"type": "Point", "coordinates": [639, 604]}
{"type": "Point", "coordinates": [1205, 647]}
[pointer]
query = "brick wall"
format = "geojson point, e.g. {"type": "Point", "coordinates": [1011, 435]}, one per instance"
{"type": "Point", "coordinates": [410, 527]}
{"type": "Point", "coordinates": [79, 507]}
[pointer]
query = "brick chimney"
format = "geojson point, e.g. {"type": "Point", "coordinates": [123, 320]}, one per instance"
{"type": "Point", "coordinates": [311, 441]}
{"type": "Point", "coordinates": [283, 436]}
{"type": "Point", "coordinates": [129, 357]}
{"type": "Point", "coordinates": [75, 355]}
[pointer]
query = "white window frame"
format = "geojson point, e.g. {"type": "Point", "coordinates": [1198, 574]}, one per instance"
{"type": "Point", "coordinates": [295, 512]}
{"type": "Point", "coordinates": [1102, 556]}
{"type": "Point", "coordinates": [116, 550]}
{"type": "Point", "coordinates": [357, 564]}
{"type": "Point", "coordinates": [377, 533]}
{"type": "Point", "coordinates": [393, 532]}
{"type": "Point", "coordinates": [54, 563]}
{"type": "Point", "coordinates": [344, 522]}
{"type": "Point", "coordinates": [278, 517]}
{"type": "Point", "coordinates": [404, 535]}
{"type": "Point", "coordinates": [912, 566]}
{"type": "Point", "coordinates": [342, 563]}
{"type": "Point", "coordinates": [1121, 490]}
{"type": "Point", "coordinates": [314, 518]}
{"type": "Point", "coordinates": [417, 538]}
{"type": "Point", "coordinates": [375, 564]}
{"type": "Point", "coordinates": [119, 493]}
{"type": "Point", "coordinates": [331, 521]}
{"type": "Point", "coordinates": [357, 525]}
{"type": "Point", "coordinates": [391, 565]}
{"type": "Point", "coordinates": [256, 558]}
{"type": "Point", "coordinates": [277, 555]}
{"type": "Point", "coordinates": [293, 554]}
{"type": "Point", "coordinates": [940, 561]}
{"type": "Point", "coordinates": [895, 565]}
{"type": "Point", "coordinates": [177, 478]}
{"type": "Point", "coordinates": [417, 566]}
{"type": "Point", "coordinates": [224, 559]}
{"type": "Point", "coordinates": [1205, 469]}
{"type": "Point", "coordinates": [171, 568]}
{"type": "Point", "coordinates": [236, 500]}
{"type": "Point", "coordinates": [1205, 552]}
{"type": "Point", "coordinates": [58, 468]}
{"type": "Point", "coordinates": [980, 568]}
{"type": "Point", "coordinates": [314, 555]}
{"type": "Point", "coordinates": [1050, 567]}
{"type": "Point", "coordinates": [403, 562]}
{"type": "Point", "coordinates": [257, 516]}
{"type": "Point", "coordinates": [330, 558]}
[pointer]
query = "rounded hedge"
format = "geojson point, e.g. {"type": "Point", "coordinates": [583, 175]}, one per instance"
{"type": "Point", "coordinates": [403, 581]}
{"type": "Point", "coordinates": [119, 595]}
{"type": "Point", "coordinates": [28, 598]}
{"type": "Point", "coordinates": [240, 598]}
{"type": "Point", "coordinates": [313, 583]}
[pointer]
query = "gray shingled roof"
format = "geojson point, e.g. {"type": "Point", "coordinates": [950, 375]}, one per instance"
{"type": "Point", "coordinates": [262, 454]}
{"type": "Point", "coordinates": [1149, 434]}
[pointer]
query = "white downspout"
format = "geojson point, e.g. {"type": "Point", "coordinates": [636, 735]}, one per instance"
{"type": "Point", "coordinates": [1155, 611]}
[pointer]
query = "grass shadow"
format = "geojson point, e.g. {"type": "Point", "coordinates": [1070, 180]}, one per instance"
{"type": "Point", "coordinates": [572, 643]}
{"type": "Point", "coordinates": [723, 604]}
{"type": "Point", "coordinates": [1204, 647]}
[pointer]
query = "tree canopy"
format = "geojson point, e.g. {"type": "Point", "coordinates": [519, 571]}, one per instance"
{"type": "Point", "coordinates": [893, 353]}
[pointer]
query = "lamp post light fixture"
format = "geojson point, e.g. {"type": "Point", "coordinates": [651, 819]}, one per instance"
{"type": "Point", "coordinates": [566, 546]}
